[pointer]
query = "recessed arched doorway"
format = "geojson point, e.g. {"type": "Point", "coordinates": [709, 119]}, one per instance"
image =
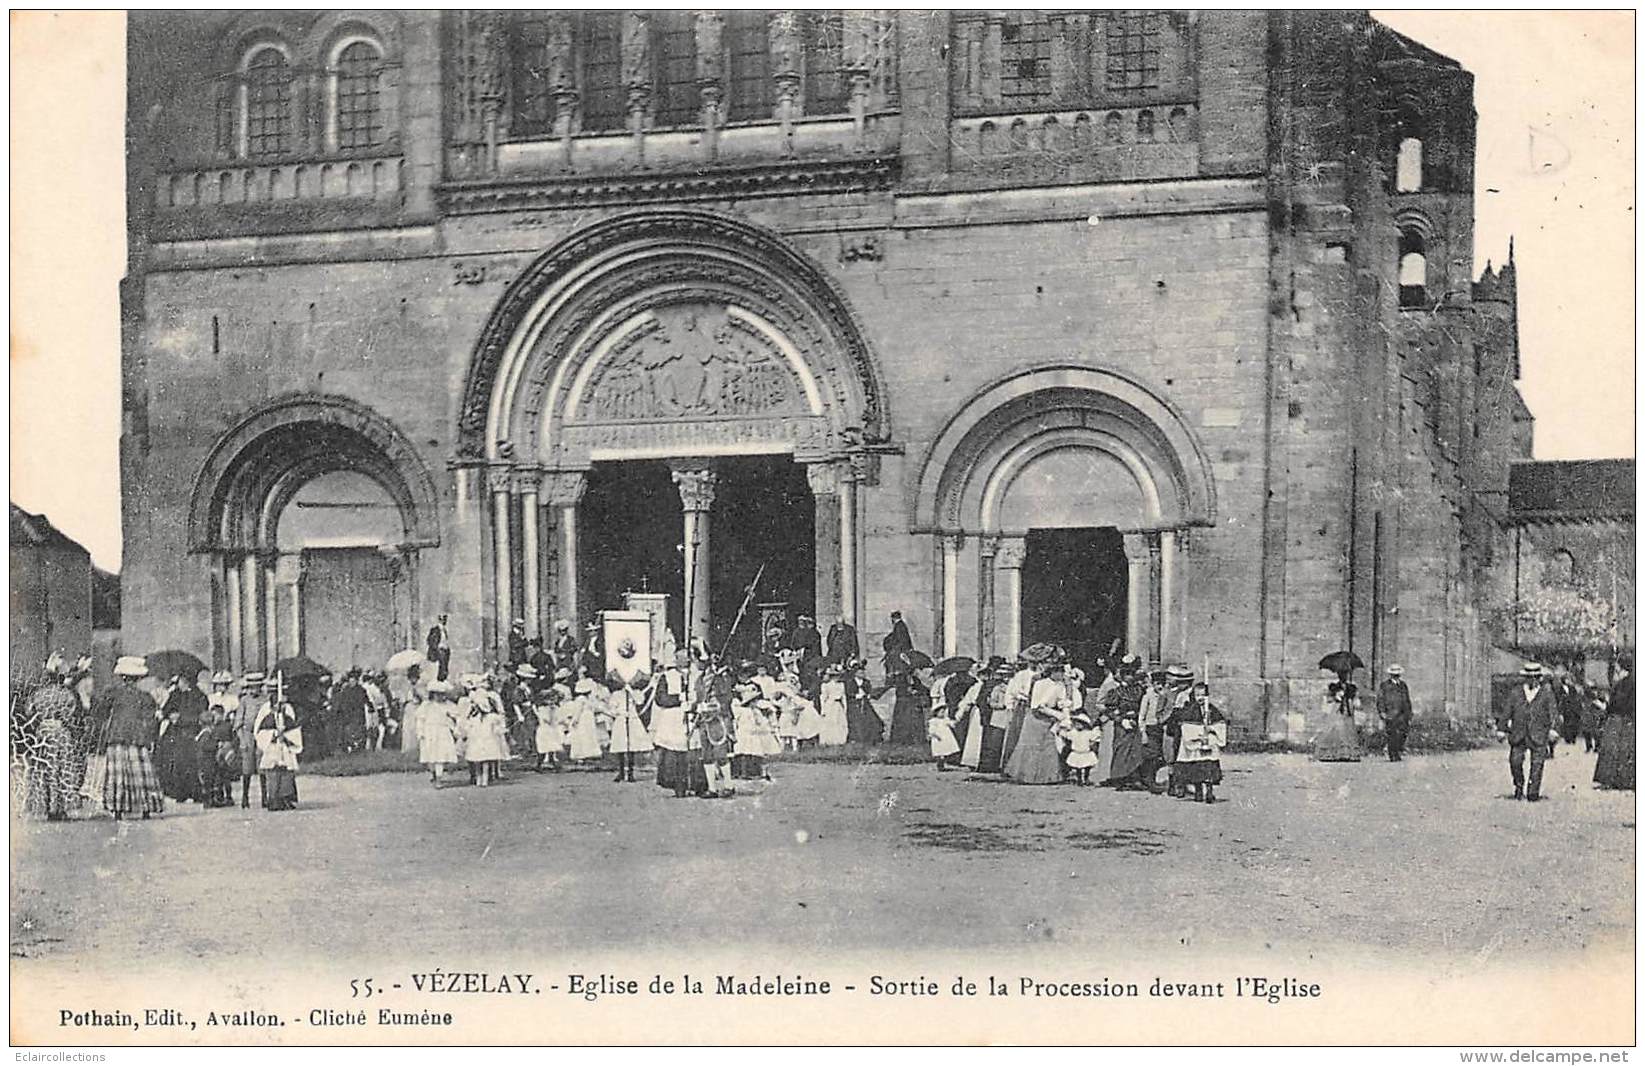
{"type": "Point", "coordinates": [314, 511]}
{"type": "Point", "coordinates": [679, 341]}
{"type": "Point", "coordinates": [1068, 494]}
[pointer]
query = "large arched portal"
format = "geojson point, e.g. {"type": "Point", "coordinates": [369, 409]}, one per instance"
{"type": "Point", "coordinates": [677, 342]}
{"type": "Point", "coordinates": [314, 510]}
{"type": "Point", "coordinates": [1067, 492]}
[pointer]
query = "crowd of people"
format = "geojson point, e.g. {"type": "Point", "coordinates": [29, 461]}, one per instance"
{"type": "Point", "coordinates": [702, 721]}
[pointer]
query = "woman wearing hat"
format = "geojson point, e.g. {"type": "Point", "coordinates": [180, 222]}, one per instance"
{"type": "Point", "coordinates": [1339, 741]}
{"type": "Point", "coordinates": [1615, 766]}
{"type": "Point", "coordinates": [1036, 759]}
{"type": "Point", "coordinates": [835, 724]}
{"type": "Point", "coordinates": [131, 787]}
{"type": "Point", "coordinates": [176, 758]}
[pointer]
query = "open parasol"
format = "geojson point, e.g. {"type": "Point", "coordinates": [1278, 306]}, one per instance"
{"type": "Point", "coordinates": [173, 663]}
{"type": "Point", "coordinates": [1341, 662]}
{"type": "Point", "coordinates": [299, 667]}
{"type": "Point", "coordinates": [917, 660]}
{"type": "Point", "coordinates": [405, 660]}
{"type": "Point", "coordinates": [954, 664]}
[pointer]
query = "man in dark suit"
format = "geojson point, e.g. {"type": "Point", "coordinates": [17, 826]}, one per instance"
{"type": "Point", "coordinates": [439, 648]}
{"type": "Point", "coordinates": [1529, 724]}
{"type": "Point", "coordinates": [1394, 706]}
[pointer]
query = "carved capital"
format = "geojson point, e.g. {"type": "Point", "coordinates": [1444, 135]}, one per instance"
{"type": "Point", "coordinates": [1136, 548]}
{"type": "Point", "coordinates": [1010, 554]}
{"type": "Point", "coordinates": [696, 484]}
{"type": "Point", "coordinates": [564, 488]}
{"type": "Point", "coordinates": [951, 543]}
{"type": "Point", "coordinates": [824, 479]}
{"type": "Point", "coordinates": [526, 479]}
{"type": "Point", "coordinates": [865, 468]}
{"type": "Point", "coordinates": [989, 547]}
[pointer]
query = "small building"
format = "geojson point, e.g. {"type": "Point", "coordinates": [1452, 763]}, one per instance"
{"type": "Point", "coordinates": [50, 592]}
{"type": "Point", "coordinates": [1570, 595]}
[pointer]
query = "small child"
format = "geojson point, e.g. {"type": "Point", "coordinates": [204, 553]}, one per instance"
{"type": "Point", "coordinates": [486, 730]}
{"type": "Point", "coordinates": [1082, 743]}
{"type": "Point", "coordinates": [939, 728]}
{"type": "Point", "coordinates": [550, 738]}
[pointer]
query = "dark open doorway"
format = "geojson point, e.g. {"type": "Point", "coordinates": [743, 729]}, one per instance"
{"type": "Point", "coordinates": [1074, 584]}
{"type": "Point", "coordinates": [631, 527]}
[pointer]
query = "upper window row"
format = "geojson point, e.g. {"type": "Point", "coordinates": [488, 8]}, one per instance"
{"type": "Point", "coordinates": [260, 110]}
{"type": "Point", "coordinates": [1022, 60]}
{"type": "Point", "coordinates": [597, 69]}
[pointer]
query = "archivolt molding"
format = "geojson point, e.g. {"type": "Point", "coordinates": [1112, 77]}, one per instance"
{"type": "Point", "coordinates": [1003, 425]}
{"type": "Point", "coordinates": [559, 312]}
{"type": "Point", "coordinates": [258, 465]}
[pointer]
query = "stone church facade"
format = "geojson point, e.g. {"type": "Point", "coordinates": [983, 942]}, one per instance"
{"type": "Point", "coordinates": [1147, 329]}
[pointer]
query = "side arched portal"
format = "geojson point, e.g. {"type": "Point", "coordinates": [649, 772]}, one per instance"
{"type": "Point", "coordinates": [313, 505]}
{"type": "Point", "coordinates": [1086, 468]}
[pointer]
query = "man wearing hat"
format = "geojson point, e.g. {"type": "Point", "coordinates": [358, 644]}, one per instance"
{"type": "Point", "coordinates": [565, 646]}
{"type": "Point", "coordinates": [243, 720]}
{"type": "Point", "coordinates": [1394, 707]}
{"type": "Point", "coordinates": [439, 648]}
{"type": "Point", "coordinates": [1179, 680]}
{"type": "Point", "coordinates": [516, 642]}
{"type": "Point", "coordinates": [1528, 724]}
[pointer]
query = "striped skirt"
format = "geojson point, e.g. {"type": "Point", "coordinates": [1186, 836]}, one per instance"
{"type": "Point", "coordinates": [132, 786]}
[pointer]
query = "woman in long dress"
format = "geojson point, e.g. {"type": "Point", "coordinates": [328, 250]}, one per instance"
{"type": "Point", "coordinates": [912, 708]}
{"type": "Point", "coordinates": [58, 719]}
{"type": "Point", "coordinates": [176, 758]}
{"type": "Point", "coordinates": [131, 785]}
{"type": "Point", "coordinates": [1036, 759]}
{"type": "Point", "coordinates": [437, 731]}
{"type": "Point", "coordinates": [1339, 742]}
{"type": "Point", "coordinates": [1615, 766]}
{"type": "Point", "coordinates": [833, 709]}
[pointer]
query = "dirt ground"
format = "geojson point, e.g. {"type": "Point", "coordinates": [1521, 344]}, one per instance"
{"type": "Point", "coordinates": [1430, 854]}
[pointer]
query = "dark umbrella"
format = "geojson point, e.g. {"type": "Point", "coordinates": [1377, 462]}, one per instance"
{"type": "Point", "coordinates": [174, 663]}
{"type": "Point", "coordinates": [299, 667]}
{"type": "Point", "coordinates": [955, 664]}
{"type": "Point", "coordinates": [917, 660]}
{"type": "Point", "coordinates": [1341, 662]}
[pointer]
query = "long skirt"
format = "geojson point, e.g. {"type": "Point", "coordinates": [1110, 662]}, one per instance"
{"type": "Point", "coordinates": [1197, 772]}
{"type": "Point", "coordinates": [279, 789]}
{"type": "Point", "coordinates": [1035, 761]}
{"type": "Point", "coordinates": [1126, 750]}
{"type": "Point", "coordinates": [862, 725]}
{"type": "Point", "coordinates": [176, 765]}
{"type": "Point", "coordinates": [908, 717]}
{"type": "Point", "coordinates": [1340, 742]}
{"type": "Point", "coordinates": [1615, 767]}
{"type": "Point", "coordinates": [991, 755]}
{"type": "Point", "coordinates": [1013, 734]}
{"type": "Point", "coordinates": [56, 767]}
{"type": "Point", "coordinates": [132, 787]}
{"type": "Point", "coordinates": [677, 767]}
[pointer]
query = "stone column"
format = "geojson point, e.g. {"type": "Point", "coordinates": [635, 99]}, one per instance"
{"type": "Point", "coordinates": [636, 47]}
{"type": "Point", "coordinates": [531, 552]}
{"type": "Point", "coordinates": [988, 550]}
{"type": "Point", "coordinates": [785, 71]}
{"type": "Point", "coordinates": [848, 547]}
{"type": "Point", "coordinates": [1156, 602]}
{"type": "Point", "coordinates": [464, 600]}
{"type": "Point", "coordinates": [288, 574]}
{"type": "Point", "coordinates": [251, 605]}
{"type": "Point", "coordinates": [235, 624]}
{"type": "Point", "coordinates": [857, 66]}
{"type": "Point", "coordinates": [1174, 595]}
{"type": "Point", "coordinates": [502, 568]}
{"type": "Point", "coordinates": [824, 479]}
{"type": "Point", "coordinates": [564, 490]}
{"type": "Point", "coordinates": [696, 481]}
{"type": "Point", "coordinates": [491, 81]}
{"type": "Point", "coordinates": [950, 544]}
{"type": "Point", "coordinates": [1139, 578]}
{"type": "Point", "coordinates": [271, 610]}
{"type": "Point", "coordinates": [710, 27]}
{"type": "Point", "coordinates": [1008, 561]}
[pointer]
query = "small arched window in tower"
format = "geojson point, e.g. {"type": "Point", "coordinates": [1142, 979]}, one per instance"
{"type": "Point", "coordinates": [358, 119]}
{"type": "Point", "coordinates": [268, 104]}
{"type": "Point", "coordinates": [1408, 170]}
{"type": "Point", "coordinates": [1561, 569]}
{"type": "Point", "coordinates": [1413, 270]}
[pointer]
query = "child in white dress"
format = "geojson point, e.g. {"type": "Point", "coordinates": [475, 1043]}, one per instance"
{"type": "Point", "coordinates": [939, 729]}
{"type": "Point", "coordinates": [1082, 741]}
